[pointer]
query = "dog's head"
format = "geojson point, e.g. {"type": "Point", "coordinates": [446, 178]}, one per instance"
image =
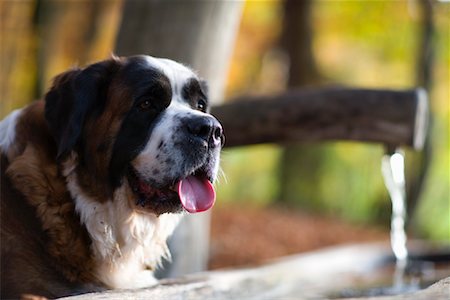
{"type": "Point", "coordinates": [141, 122]}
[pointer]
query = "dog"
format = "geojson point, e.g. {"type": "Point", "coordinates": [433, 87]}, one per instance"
{"type": "Point", "coordinates": [96, 176]}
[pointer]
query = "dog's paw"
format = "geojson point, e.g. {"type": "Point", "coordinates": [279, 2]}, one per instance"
{"type": "Point", "coordinates": [144, 279]}
{"type": "Point", "coordinates": [32, 297]}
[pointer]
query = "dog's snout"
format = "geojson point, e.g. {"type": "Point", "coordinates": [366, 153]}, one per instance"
{"type": "Point", "coordinates": [207, 129]}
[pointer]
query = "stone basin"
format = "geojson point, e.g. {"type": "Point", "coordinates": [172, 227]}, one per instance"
{"type": "Point", "coordinates": [325, 274]}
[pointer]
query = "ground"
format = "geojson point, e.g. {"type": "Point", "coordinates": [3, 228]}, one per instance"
{"type": "Point", "coordinates": [246, 236]}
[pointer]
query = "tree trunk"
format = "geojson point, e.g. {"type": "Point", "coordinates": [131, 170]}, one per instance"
{"type": "Point", "coordinates": [299, 163]}
{"type": "Point", "coordinates": [200, 34]}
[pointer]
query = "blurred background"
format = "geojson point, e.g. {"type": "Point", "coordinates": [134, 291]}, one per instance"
{"type": "Point", "coordinates": [276, 199]}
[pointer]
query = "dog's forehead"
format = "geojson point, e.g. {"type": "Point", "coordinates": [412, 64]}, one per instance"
{"type": "Point", "coordinates": [178, 74]}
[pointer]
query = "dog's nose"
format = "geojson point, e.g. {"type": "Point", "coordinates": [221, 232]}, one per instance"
{"type": "Point", "coordinates": [206, 128]}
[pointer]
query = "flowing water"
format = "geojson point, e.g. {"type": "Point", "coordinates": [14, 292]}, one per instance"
{"type": "Point", "coordinates": [393, 170]}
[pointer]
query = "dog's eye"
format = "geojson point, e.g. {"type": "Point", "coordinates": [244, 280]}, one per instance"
{"type": "Point", "coordinates": [201, 105]}
{"type": "Point", "coordinates": [145, 105]}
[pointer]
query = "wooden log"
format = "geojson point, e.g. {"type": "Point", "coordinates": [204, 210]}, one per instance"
{"type": "Point", "coordinates": [397, 118]}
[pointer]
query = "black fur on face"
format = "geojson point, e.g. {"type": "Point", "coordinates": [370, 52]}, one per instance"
{"type": "Point", "coordinates": [152, 94]}
{"type": "Point", "coordinates": [195, 93]}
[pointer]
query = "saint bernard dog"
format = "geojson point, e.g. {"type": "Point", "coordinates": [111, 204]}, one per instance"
{"type": "Point", "coordinates": [95, 177]}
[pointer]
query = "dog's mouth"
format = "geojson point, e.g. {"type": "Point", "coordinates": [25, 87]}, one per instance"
{"type": "Point", "coordinates": [195, 193]}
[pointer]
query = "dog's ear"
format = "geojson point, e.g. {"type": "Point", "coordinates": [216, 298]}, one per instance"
{"type": "Point", "coordinates": [73, 95]}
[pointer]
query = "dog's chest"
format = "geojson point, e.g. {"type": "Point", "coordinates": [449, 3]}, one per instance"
{"type": "Point", "coordinates": [126, 245]}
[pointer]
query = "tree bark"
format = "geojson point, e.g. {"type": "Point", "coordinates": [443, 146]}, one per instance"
{"type": "Point", "coordinates": [200, 34]}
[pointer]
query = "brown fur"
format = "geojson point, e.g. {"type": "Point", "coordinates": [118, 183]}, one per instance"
{"type": "Point", "coordinates": [39, 227]}
{"type": "Point", "coordinates": [101, 133]}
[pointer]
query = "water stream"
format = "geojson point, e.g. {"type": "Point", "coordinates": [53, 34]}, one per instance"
{"type": "Point", "coordinates": [393, 170]}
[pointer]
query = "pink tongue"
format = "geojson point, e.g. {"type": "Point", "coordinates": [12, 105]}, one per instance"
{"type": "Point", "coordinates": [196, 194]}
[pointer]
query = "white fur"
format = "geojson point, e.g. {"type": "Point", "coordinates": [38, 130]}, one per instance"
{"type": "Point", "coordinates": [8, 132]}
{"type": "Point", "coordinates": [124, 242]}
